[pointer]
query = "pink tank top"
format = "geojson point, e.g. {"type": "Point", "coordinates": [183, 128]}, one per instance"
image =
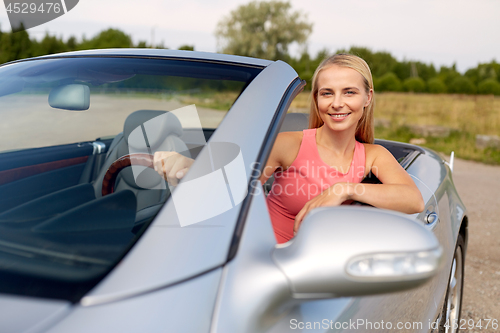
{"type": "Point", "coordinates": [306, 177]}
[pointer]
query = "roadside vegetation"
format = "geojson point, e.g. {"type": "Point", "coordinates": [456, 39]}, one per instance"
{"type": "Point", "coordinates": [217, 101]}
{"type": "Point", "coordinates": [459, 118]}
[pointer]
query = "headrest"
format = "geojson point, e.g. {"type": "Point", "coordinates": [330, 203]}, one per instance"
{"type": "Point", "coordinates": [295, 122]}
{"type": "Point", "coordinates": [156, 125]}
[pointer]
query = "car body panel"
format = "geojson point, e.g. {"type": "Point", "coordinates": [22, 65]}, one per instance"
{"type": "Point", "coordinates": [186, 307]}
{"type": "Point", "coordinates": [164, 53]}
{"type": "Point", "coordinates": [30, 314]}
{"type": "Point", "coordinates": [255, 293]}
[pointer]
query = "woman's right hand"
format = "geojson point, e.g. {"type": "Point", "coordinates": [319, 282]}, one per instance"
{"type": "Point", "coordinates": [171, 165]}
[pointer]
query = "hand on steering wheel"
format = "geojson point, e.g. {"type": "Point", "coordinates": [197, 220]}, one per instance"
{"type": "Point", "coordinates": [171, 165]}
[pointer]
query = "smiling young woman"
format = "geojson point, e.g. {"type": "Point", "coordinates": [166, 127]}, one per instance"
{"type": "Point", "coordinates": [323, 166]}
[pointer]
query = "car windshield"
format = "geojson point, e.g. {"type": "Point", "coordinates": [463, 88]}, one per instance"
{"type": "Point", "coordinates": [64, 224]}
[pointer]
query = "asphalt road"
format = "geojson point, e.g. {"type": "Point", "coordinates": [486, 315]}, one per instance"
{"type": "Point", "coordinates": [30, 122]}
{"type": "Point", "coordinates": [479, 188]}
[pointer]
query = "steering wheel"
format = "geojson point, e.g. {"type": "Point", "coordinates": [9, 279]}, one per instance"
{"type": "Point", "coordinates": [108, 183]}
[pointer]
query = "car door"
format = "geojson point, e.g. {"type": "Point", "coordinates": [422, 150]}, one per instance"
{"type": "Point", "coordinates": [413, 310]}
{"type": "Point", "coordinates": [255, 294]}
{"type": "Point", "coordinates": [27, 174]}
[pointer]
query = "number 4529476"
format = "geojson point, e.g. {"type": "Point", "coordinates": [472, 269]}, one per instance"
{"type": "Point", "coordinates": [32, 8]}
{"type": "Point", "coordinates": [472, 324]}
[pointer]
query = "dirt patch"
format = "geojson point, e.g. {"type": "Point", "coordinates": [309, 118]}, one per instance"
{"type": "Point", "coordinates": [479, 188]}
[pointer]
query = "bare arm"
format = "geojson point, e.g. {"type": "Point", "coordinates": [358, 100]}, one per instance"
{"type": "Point", "coordinates": [397, 191]}
{"type": "Point", "coordinates": [282, 154]}
{"type": "Point", "coordinates": [173, 166]}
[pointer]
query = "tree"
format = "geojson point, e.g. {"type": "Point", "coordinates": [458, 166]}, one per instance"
{"type": "Point", "coordinates": [49, 45]}
{"type": "Point", "coordinates": [462, 85]}
{"type": "Point", "coordinates": [107, 39]}
{"type": "Point", "coordinates": [186, 47]}
{"type": "Point", "coordinates": [305, 65]}
{"type": "Point", "coordinates": [402, 70]}
{"type": "Point", "coordinates": [262, 30]}
{"type": "Point", "coordinates": [142, 44]}
{"type": "Point", "coordinates": [388, 82]}
{"type": "Point", "coordinates": [488, 87]}
{"type": "Point", "coordinates": [15, 45]}
{"type": "Point", "coordinates": [414, 84]}
{"type": "Point", "coordinates": [436, 86]}
{"type": "Point", "coordinates": [424, 71]}
{"type": "Point", "coordinates": [71, 44]}
{"type": "Point", "coordinates": [448, 75]}
{"type": "Point", "coordinates": [383, 62]}
{"type": "Point", "coordinates": [483, 72]}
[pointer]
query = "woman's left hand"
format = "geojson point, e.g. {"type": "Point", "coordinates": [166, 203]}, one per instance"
{"type": "Point", "coordinates": [335, 195]}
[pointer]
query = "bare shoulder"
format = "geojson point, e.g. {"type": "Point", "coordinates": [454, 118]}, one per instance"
{"type": "Point", "coordinates": [377, 155]}
{"type": "Point", "coordinates": [289, 138]}
{"type": "Point", "coordinates": [373, 151]}
{"type": "Point", "coordinates": [383, 164]}
{"type": "Point", "coordinates": [286, 147]}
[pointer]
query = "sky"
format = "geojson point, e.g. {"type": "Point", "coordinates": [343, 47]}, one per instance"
{"type": "Point", "coordinates": [442, 32]}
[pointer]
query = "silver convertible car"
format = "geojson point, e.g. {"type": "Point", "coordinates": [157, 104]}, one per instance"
{"type": "Point", "coordinates": [92, 239]}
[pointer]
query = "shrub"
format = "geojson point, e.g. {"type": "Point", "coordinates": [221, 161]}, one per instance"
{"type": "Point", "coordinates": [436, 86]}
{"type": "Point", "coordinates": [488, 87]}
{"type": "Point", "coordinates": [186, 47]}
{"type": "Point", "coordinates": [414, 84]}
{"type": "Point", "coordinates": [462, 85]}
{"type": "Point", "coordinates": [389, 82]}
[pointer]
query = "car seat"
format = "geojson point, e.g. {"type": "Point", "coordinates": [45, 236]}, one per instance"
{"type": "Point", "coordinates": [161, 134]}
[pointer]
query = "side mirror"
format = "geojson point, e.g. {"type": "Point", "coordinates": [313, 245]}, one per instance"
{"type": "Point", "coordinates": [353, 251]}
{"type": "Point", "coordinates": [75, 97]}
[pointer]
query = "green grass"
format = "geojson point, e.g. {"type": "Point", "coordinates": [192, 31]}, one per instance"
{"type": "Point", "coordinates": [461, 142]}
{"type": "Point", "coordinates": [212, 100]}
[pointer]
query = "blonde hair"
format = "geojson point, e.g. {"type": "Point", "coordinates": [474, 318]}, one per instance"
{"type": "Point", "coordinates": [364, 130]}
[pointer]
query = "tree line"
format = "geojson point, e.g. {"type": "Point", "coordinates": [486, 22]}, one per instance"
{"type": "Point", "coordinates": [266, 29]}
{"type": "Point", "coordinates": [19, 45]}
{"type": "Point", "coordinates": [389, 74]}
